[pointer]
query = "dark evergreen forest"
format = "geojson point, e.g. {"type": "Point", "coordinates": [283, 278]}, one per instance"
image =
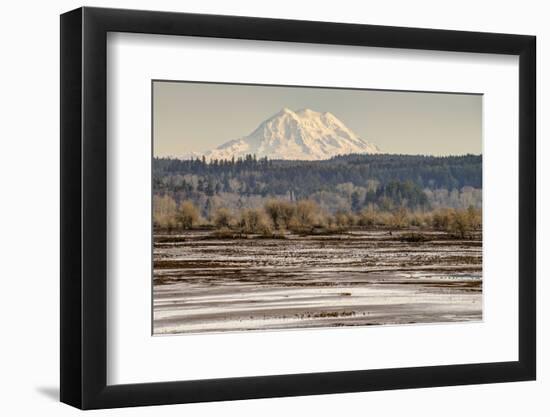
{"type": "Point", "coordinates": [303, 178]}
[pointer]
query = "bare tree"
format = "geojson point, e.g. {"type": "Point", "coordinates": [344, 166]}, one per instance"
{"type": "Point", "coordinates": [306, 212]}
{"type": "Point", "coordinates": [223, 218]}
{"type": "Point", "coordinates": [164, 211]}
{"type": "Point", "coordinates": [188, 215]}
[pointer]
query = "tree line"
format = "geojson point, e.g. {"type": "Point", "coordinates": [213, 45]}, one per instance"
{"type": "Point", "coordinates": [252, 176]}
{"type": "Point", "coordinates": [305, 216]}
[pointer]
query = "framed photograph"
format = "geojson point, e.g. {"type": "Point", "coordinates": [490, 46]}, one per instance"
{"type": "Point", "coordinates": [258, 208]}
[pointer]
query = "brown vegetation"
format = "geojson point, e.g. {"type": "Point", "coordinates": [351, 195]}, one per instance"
{"type": "Point", "coordinates": [223, 218]}
{"type": "Point", "coordinates": [187, 215]}
{"type": "Point", "coordinates": [305, 217]}
{"type": "Point", "coordinates": [254, 221]}
{"type": "Point", "coordinates": [164, 212]}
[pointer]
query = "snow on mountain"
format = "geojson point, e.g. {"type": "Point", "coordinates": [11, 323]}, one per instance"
{"type": "Point", "coordinates": [301, 135]}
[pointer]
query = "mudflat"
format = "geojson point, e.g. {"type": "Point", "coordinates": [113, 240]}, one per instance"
{"type": "Point", "coordinates": [203, 283]}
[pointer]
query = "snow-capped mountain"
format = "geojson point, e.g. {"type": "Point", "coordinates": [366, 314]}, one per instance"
{"type": "Point", "coordinates": [304, 134]}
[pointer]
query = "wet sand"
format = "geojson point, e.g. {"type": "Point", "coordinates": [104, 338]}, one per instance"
{"type": "Point", "coordinates": [358, 278]}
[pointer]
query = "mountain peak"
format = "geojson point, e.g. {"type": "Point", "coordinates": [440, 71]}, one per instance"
{"type": "Point", "coordinates": [306, 112]}
{"type": "Point", "coordinates": [303, 134]}
{"type": "Point", "coordinates": [285, 110]}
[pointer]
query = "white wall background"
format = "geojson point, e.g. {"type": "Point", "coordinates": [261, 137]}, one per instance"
{"type": "Point", "coordinates": [29, 213]}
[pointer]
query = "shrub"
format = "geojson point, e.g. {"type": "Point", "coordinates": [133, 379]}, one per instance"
{"type": "Point", "coordinates": [441, 219]}
{"type": "Point", "coordinates": [254, 221]}
{"type": "Point", "coordinates": [457, 221]}
{"type": "Point", "coordinates": [367, 217]}
{"type": "Point", "coordinates": [223, 218]}
{"type": "Point", "coordinates": [306, 213]}
{"type": "Point", "coordinates": [419, 219]}
{"type": "Point", "coordinates": [164, 211]}
{"type": "Point", "coordinates": [459, 224]}
{"type": "Point", "coordinates": [280, 212]}
{"type": "Point", "coordinates": [187, 215]}
{"type": "Point", "coordinates": [474, 218]}
{"type": "Point", "coordinates": [399, 218]}
{"type": "Point", "coordinates": [344, 219]}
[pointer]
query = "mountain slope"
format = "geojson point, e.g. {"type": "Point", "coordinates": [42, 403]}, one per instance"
{"type": "Point", "coordinates": [301, 135]}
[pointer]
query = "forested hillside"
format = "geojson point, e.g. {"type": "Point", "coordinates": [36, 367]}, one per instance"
{"type": "Point", "coordinates": [348, 183]}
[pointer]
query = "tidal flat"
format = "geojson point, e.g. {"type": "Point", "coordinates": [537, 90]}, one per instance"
{"type": "Point", "coordinates": [202, 283]}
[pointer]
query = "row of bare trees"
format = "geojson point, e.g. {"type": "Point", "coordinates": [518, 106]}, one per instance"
{"type": "Point", "coordinates": [305, 215]}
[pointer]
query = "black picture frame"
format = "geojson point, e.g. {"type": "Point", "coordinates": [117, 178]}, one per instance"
{"type": "Point", "coordinates": [84, 207]}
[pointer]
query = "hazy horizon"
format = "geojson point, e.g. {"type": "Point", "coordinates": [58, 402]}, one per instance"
{"type": "Point", "coordinates": [196, 117]}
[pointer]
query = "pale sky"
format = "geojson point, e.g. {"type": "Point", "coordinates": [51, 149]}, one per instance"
{"type": "Point", "coordinates": [191, 117]}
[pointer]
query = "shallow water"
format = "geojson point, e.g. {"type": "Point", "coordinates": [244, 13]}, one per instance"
{"type": "Point", "coordinates": [355, 279]}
